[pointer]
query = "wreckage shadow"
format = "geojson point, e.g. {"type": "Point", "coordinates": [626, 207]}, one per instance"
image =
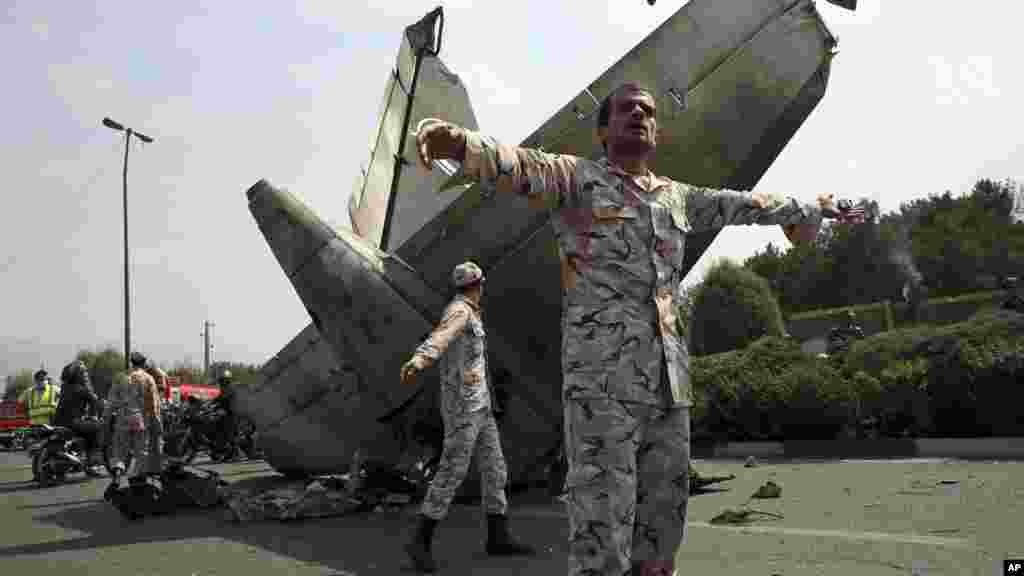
{"type": "Point", "coordinates": [32, 485]}
{"type": "Point", "coordinates": [367, 547]}
{"type": "Point", "coordinates": [364, 544]}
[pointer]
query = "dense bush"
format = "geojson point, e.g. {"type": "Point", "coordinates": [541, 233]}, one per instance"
{"type": "Point", "coordinates": [964, 379]}
{"type": "Point", "coordinates": [732, 307]}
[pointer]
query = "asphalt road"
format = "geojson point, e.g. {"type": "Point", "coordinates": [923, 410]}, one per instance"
{"type": "Point", "coordinates": [840, 518]}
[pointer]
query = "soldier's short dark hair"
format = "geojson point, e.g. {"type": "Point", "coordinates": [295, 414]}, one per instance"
{"type": "Point", "coordinates": [604, 113]}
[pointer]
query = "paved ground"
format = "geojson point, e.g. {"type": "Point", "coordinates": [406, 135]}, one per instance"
{"type": "Point", "coordinates": [841, 518]}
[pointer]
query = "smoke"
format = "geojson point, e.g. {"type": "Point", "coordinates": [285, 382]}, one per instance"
{"type": "Point", "coordinates": [899, 254]}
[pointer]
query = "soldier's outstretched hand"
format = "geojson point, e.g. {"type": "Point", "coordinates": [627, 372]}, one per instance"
{"type": "Point", "coordinates": [826, 203]}
{"type": "Point", "coordinates": [439, 140]}
{"type": "Point", "coordinates": [410, 369]}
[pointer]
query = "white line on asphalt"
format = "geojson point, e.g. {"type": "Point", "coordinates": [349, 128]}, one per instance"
{"type": "Point", "coordinates": [843, 534]}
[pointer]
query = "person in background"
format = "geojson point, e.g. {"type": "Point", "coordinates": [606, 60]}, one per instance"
{"type": "Point", "coordinates": [133, 402]}
{"type": "Point", "coordinates": [40, 400]}
{"type": "Point", "coordinates": [155, 424]}
{"type": "Point", "coordinates": [840, 337]}
{"type": "Point", "coordinates": [79, 409]}
{"type": "Point", "coordinates": [470, 430]}
{"type": "Point", "coordinates": [223, 401]}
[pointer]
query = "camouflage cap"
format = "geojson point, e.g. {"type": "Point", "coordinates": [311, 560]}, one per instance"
{"type": "Point", "coordinates": [466, 273]}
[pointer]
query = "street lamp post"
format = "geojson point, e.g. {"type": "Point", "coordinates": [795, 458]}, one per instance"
{"type": "Point", "coordinates": [128, 133]}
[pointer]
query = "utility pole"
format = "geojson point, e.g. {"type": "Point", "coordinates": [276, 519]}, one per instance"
{"type": "Point", "coordinates": [206, 348]}
{"type": "Point", "coordinates": [128, 133]}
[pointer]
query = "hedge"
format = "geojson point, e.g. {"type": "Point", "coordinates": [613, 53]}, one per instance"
{"type": "Point", "coordinates": [964, 379]}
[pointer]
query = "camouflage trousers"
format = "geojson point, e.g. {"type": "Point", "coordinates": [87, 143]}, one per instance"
{"type": "Point", "coordinates": [465, 436]}
{"type": "Point", "coordinates": [628, 484]}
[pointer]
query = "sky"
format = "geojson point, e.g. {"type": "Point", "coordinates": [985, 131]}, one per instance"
{"type": "Point", "coordinates": [921, 99]}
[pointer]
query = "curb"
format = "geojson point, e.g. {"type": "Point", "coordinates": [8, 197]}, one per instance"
{"type": "Point", "coordinates": [961, 448]}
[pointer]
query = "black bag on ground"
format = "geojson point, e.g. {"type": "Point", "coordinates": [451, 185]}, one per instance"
{"type": "Point", "coordinates": [175, 488]}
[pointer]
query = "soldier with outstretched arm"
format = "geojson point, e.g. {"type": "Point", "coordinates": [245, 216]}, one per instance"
{"type": "Point", "coordinates": [459, 345]}
{"type": "Point", "coordinates": [625, 367]}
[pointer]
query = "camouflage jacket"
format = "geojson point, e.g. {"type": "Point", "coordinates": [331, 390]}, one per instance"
{"type": "Point", "coordinates": [460, 344]}
{"type": "Point", "coordinates": [621, 240]}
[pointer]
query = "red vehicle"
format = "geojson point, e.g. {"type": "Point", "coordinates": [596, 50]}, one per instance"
{"type": "Point", "coordinates": [13, 415]}
{"type": "Point", "coordinates": [176, 390]}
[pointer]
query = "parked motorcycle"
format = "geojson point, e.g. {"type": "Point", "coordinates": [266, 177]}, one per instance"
{"type": "Point", "coordinates": [21, 438]}
{"type": "Point", "coordinates": [58, 452]}
{"type": "Point", "coordinates": [199, 430]}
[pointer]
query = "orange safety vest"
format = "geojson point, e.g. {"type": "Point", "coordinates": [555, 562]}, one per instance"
{"type": "Point", "coordinates": [41, 406]}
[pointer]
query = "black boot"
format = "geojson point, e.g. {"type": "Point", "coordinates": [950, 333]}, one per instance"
{"type": "Point", "coordinates": [500, 542]}
{"type": "Point", "coordinates": [419, 548]}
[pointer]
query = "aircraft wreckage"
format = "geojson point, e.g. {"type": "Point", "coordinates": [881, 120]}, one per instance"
{"type": "Point", "coordinates": [734, 80]}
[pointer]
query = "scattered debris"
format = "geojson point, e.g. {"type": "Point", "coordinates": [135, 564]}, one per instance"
{"type": "Point", "coordinates": [376, 488]}
{"type": "Point", "coordinates": [320, 498]}
{"type": "Point", "coordinates": [698, 482]}
{"type": "Point", "coordinates": [173, 489]}
{"type": "Point", "coordinates": [768, 490]}
{"type": "Point", "coordinates": [740, 517]}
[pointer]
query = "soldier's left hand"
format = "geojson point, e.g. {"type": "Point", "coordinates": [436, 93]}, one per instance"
{"type": "Point", "coordinates": [409, 370]}
{"type": "Point", "coordinates": [825, 202]}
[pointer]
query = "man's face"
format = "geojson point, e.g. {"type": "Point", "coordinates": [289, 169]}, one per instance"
{"type": "Point", "coordinates": [632, 127]}
{"type": "Point", "coordinates": [40, 383]}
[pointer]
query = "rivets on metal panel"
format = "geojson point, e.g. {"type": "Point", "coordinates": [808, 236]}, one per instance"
{"type": "Point", "coordinates": [677, 97]}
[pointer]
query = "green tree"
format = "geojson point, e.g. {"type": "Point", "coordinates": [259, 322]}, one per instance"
{"type": "Point", "coordinates": [953, 244]}
{"type": "Point", "coordinates": [732, 307]}
{"type": "Point", "coordinates": [17, 383]}
{"type": "Point", "coordinates": [187, 373]}
{"type": "Point", "coordinates": [104, 365]}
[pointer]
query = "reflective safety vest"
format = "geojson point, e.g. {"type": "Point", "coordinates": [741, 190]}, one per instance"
{"type": "Point", "coordinates": [41, 405]}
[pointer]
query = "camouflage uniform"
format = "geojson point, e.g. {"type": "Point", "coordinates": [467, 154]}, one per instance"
{"type": "Point", "coordinates": [465, 405]}
{"type": "Point", "coordinates": [625, 366]}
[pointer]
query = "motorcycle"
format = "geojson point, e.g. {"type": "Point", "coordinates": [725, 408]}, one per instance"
{"type": "Point", "coordinates": [199, 430]}
{"type": "Point", "coordinates": [58, 452]}
{"type": "Point", "coordinates": [21, 438]}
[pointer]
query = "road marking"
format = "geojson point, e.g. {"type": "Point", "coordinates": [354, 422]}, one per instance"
{"type": "Point", "coordinates": [844, 534]}
{"type": "Point", "coordinates": [906, 538]}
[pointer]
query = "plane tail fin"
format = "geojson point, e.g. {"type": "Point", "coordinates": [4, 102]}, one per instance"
{"type": "Point", "coordinates": [390, 199]}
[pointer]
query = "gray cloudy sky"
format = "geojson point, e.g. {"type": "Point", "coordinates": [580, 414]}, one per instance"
{"type": "Point", "coordinates": [924, 97]}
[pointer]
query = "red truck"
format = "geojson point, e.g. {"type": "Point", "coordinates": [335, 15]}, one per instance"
{"type": "Point", "coordinates": [176, 390]}
{"type": "Point", "coordinates": [13, 415]}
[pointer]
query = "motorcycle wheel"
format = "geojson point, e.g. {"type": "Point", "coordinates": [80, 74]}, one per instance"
{"type": "Point", "coordinates": [185, 450]}
{"type": "Point", "coordinates": [47, 469]}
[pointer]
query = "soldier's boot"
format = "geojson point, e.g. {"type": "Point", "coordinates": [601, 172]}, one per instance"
{"type": "Point", "coordinates": [500, 542]}
{"type": "Point", "coordinates": [419, 548]}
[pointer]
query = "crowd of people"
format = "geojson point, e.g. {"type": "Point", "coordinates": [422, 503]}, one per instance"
{"type": "Point", "coordinates": [130, 419]}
